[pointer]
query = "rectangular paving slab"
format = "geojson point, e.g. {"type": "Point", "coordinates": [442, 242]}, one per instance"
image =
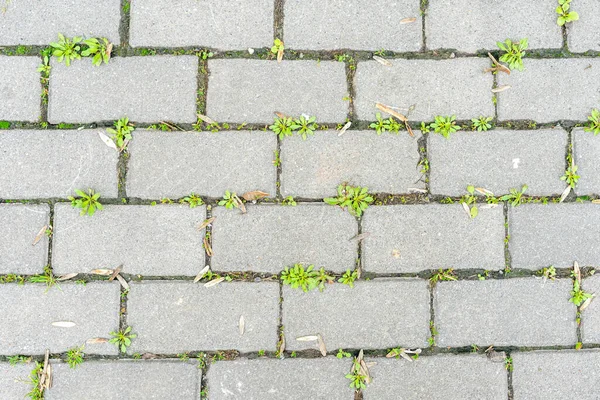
{"type": "Point", "coordinates": [14, 380]}
{"type": "Point", "coordinates": [401, 317]}
{"type": "Point", "coordinates": [591, 315]}
{"type": "Point", "coordinates": [206, 163]}
{"type": "Point", "coordinates": [147, 240]}
{"type": "Point", "coordinates": [176, 317]}
{"type": "Point", "coordinates": [441, 377]}
{"type": "Point", "coordinates": [238, 90]}
{"type": "Point", "coordinates": [145, 89]}
{"type": "Point", "coordinates": [21, 224]}
{"type": "Point", "coordinates": [270, 379]}
{"type": "Point", "coordinates": [316, 166]}
{"type": "Point", "coordinates": [226, 25]}
{"type": "Point", "coordinates": [40, 22]}
{"type": "Point", "coordinates": [538, 93]}
{"type": "Point", "coordinates": [467, 26]}
{"type": "Point", "coordinates": [412, 238]}
{"type": "Point", "coordinates": [125, 379]}
{"type": "Point", "coordinates": [42, 163]}
{"type": "Point", "coordinates": [498, 160]}
{"type": "Point", "coordinates": [270, 237]}
{"type": "Point", "coordinates": [506, 312]}
{"type": "Point", "coordinates": [31, 310]}
{"type": "Point", "coordinates": [556, 374]}
{"type": "Point", "coordinates": [338, 24]}
{"type": "Point", "coordinates": [20, 88]}
{"type": "Point", "coordinates": [587, 152]}
{"type": "Point", "coordinates": [554, 234]}
{"type": "Point", "coordinates": [583, 35]}
{"type": "Point", "coordinates": [434, 87]}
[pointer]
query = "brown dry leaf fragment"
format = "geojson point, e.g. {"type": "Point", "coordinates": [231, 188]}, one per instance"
{"type": "Point", "coordinates": [67, 276]}
{"type": "Point", "coordinates": [280, 53]}
{"type": "Point", "coordinates": [97, 340]}
{"type": "Point", "coordinates": [214, 282]}
{"type": "Point", "coordinates": [322, 347]}
{"type": "Point", "coordinates": [201, 273]}
{"type": "Point", "coordinates": [242, 325]}
{"type": "Point", "coordinates": [501, 88]}
{"type": "Point", "coordinates": [109, 50]}
{"type": "Point", "coordinates": [102, 271]}
{"type": "Point", "coordinates": [497, 65]}
{"type": "Point", "coordinates": [345, 128]}
{"type": "Point", "coordinates": [255, 195]}
{"type": "Point", "coordinates": [405, 356]}
{"type": "Point", "coordinates": [484, 191]}
{"type": "Point", "coordinates": [565, 193]}
{"type": "Point", "coordinates": [360, 356]}
{"type": "Point", "coordinates": [282, 345]}
{"type": "Point", "coordinates": [123, 282]}
{"type": "Point", "coordinates": [360, 237]}
{"type": "Point", "coordinates": [44, 381]}
{"type": "Point", "coordinates": [40, 234]}
{"type": "Point", "coordinates": [407, 20]}
{"type": "Point", "coordinates": [409, 129]}
{"type": "Point", "coordinates": [207, 247]}
{"type": "Point", "coordinates": [365, 371]}
{"type": "Point", "coordinates": [597, 201]}
{"type": "Point", "coordinates": [239, 204]}
{"type": "Point", "coordinates": [172, 126]}
{"type": "Point", "coordinates": [382, 61]}
{"type": "Point", "coordinates": [586, 303]}
{"type": "Point", "coordinates": [281, 115]}
{"type": "Point", "coordinates": [467, 209]}
{"type": "Point", "coordinates": [206, 119]}
{"type": "Point", "coordinates": [116, 272]}
{"type": "Point", "coordinates": [577, 271]}
{"type": "Point", "coordinates": [64, 324]}
{"type": "Point", "coordinates": [149, 356]}
{"type": "Point", "coordinates": [107, 141]}
{"type": "Point", "coordinates": [309, 338]}
{"type": "Point", "coordinates": [206, 223]}
{"type": "Point", "coordinates": [390, 111]}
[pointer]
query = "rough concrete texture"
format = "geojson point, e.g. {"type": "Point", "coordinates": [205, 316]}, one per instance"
{"type": "Point", "coordinates": [434, 87]}
{"type": "Point", "coordinates": [145, 89]}
{"type": "Point", "coordinates": [29, 312]}
{"type": "Point", "coordinates": [412, 238]}
{"type": "Point", "coordinates": [126, 379]}
{"type": "Point", "coordinates": [270, 237]}
{"type": "Point", "coordinates": [20, 88]}
{"type": "Point", "coordinates": [253, 90]}
{"type": "Point", "coordinates": [583, 34]}
{"type": "Point", "coordinates": [401, 317]}
{"type": "Point", "coordinates": [554, 234]}
{"type": "Point", "coordinates": [540, 94]}
{"type": "Point", "coordinates": [586, 148]}
{"type": "Point", "coordinates": [339, 24]}
{"type": "Point", "coordinates": [14, 380]}
{"type": "Point", "coordinates": [40, 24]}
{"type": "Point", "coordinates": [470, 26]}
{"type": "Point", "coordinates": [316, 166]}
{"type": "Point", "coordinates": [441, 377]}
{"type": "Point", "coordinates": [515, 312]}
{"type": "Point", "coordinates": [498, 160]}
{"type": "Point", "coordinates": [542, 375]}
{"type": "Point", "coordinates": [21, 224]}
{"type": "Point", "coordinates": [206, 163]}
{"type": "Point", "coordinates": [176, 317]}
{"type": "Point", "coordinates": [270, 379]}
{"type": "Point", "coordinates": [226, 25]}
{"type": "Point", "coordinates": [147, 240]}
{"type": "Point", "coordinates": [591, 315]}
{"type": "Point", "coordinates": [42, 164]}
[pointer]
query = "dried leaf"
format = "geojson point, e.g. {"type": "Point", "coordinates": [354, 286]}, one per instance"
{"type": "Point", "coordinates": [207, 247]}
{"type": "Point", "coordinates": [123, 282]}
{"type": "Point", "coordinates": [586, 303]}
{"type": "Point", "coordinates": [322, 347]}
{"type": "Point", "coordinates": [484, 191]}
{"type": "Point", "coordinates": [597, 201]}
{"type": "Point", "coordinates": [109, 49]}
{"type": "Point", "coordinates": [206, 223]}
{"type": "Point", "coordinates": [309, 338]}
{"type": "Point", "coordinates": [360, 237]}
{"type": "Point", "coordinates": [577, 271]}
{"type": "Point", "coordinates": [405, 356]}
{"type": "Point", "coordinates": [391, 112]}
{"type": "Point", "coordinates": [64, 324]}
{"type": "Point", "coordinates": [409, 129]}
{"type": "Point", "coordinates": [45, 377]}
{"type": "Point", "coordinates": [206, 119]}
{"type": "Point", "coordinates": [466, 208]}
{"type": "Point", "coordinates": [497, 65]}
{"type": "Point", "coordinates": [407, 20]}
{"type": "Point", "coordinates": [40, 234]}
{"type": "Point", "coordinates": [116, 272]}
{"type": "Point", "coordinates": [201, 273]}
{"type": "Point", "coordinates": [360, 356]}
{"type": "Point", "coordinates": [282, 345]}
{"type": "Point", "coordinates": [149, 356]}
{"type": "Point", "coordinates": [97, 340]}
{"type": "Point", "coordinates": [214, 282]}
{"type": "Point", "coordinates": [107, 141]}
{"type": "Point", "coordinates": [102, 271]}
{"type": "Point", "coordinates": [565, 193]}
{"type": "Point", "coordinates": [281, 115]}
{"type": "Point", "coordinates": [345, 128]}
{"type": "Point", "coordinates": [242, 325]}
{"type": "Point", "coordinates": [67, 276]}
{"type": "Point", "coordinates": [365, 371]}
{"type": "Point", "coordinates": [382, 61]}
{"type": "Point", "coordinates": [501, 88]}
{"type": "Point", "coordinates": [239, 204]}
{"type": "Point", "coordinates": [255, 195]}
{"type": "Point", "coordinates": [280, 53]}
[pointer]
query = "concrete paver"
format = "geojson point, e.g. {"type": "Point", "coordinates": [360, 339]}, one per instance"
{"type": "Point", "coordinates": [20, 88]}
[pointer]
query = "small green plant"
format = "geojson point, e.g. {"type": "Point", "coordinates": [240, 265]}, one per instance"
{"type": "Point", "coordinates": [484, 276]}
{"type": "Point", "coordinates": [99, 50]}
{"type": "Point", "coordinates": [229, 200]}
{"type": "Point", "coordinates": [564, 15]}
{"type": "Point", "coordinates": [385, 125]}
{"type": "Point", "coordinates": [304, 126]}
{"type": "Point", "coordinates": [322, 278]}
{"type": "Point", "coordinates": [515, 197]}
{"type": "Point", "coordinates": [193, 200]}
{"type": "Point", "coordinates": [548, 272]}
{"type": "Point", "coordinates": [298, 277]}
{"type": "Point", "coordinates": [261, 353]}
{"type": "Point", "coordinates": [122, 132]}
{"type": "Point", "coordinates": [14, 360]}
{"type": "Point", "coordinates": [66, 49]}
{"type": "Point", "coordinates": [474, 348]}
{"type": "Point", "coordinates": [87, 202]}
{"type": "Point", "coordinates": [75, 356]}
{"type": "Point", "coordinates": [47, 278]}
{"type": "Point", "coordinates": [8, 278]}
{"type": "Point", "coordinates": [349, 277]}
{"type": "Point", "coordinates": [205, 55]}
{"type": "Point", "coordinates": [357, 199]}
{"type": "Point", "coordinates": [4, 125]}
{"type": "Point", "coordinates": [122, 338]}
{"type": "Point", "coordinates": [282, 127]}
{"type": "Point", "coordinates": [37, 391]}
{"type": "Point", "coordinates": [277, 160]}
{"type": "Point", "coordinates": [444, 125]}
{"type": "Point", "coordinates": [294, 354]}
{"type": "Point", "coordinates": [434, 333]}
{"type": "Point", "coordinates": [571, 176]}
{"type": "Point", "coordinates": [277, 46]}
{"type": "Point", "coordinates": [443, 275]}
{"type": "Point", "coordinates": [508, 364]}
{"type": "Point", "coordinates": [514, 52]}
{"type": "Point", "coordinates": [470, 200]}
{"type": "Point", "coordinates": [482, 123]}
{"type": "Point", "coordinates": [343, 354]}
{"type": "Point", "coordinates": [288, 201]}
{"type": "Point", "coordinates": [183, 357]}
{"type": "Point", "coordinates": [578, 295]}
{"type": "Point", "coordinates": [357, 379]}
{"type": "Point", "coordinates": [594, 125]}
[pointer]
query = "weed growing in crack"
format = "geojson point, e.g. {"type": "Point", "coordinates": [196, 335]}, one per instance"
{"type": "Point", "coordinates": [445, 126]}
{"type": "Point", "coordinates": [88, 202]}
{"type": "Point", "coordinates": [481, 123]}
{"type": "Point", "coordinates": [349, 277]}
{"type": "Point", "coordinates": [564, 15]}
{"type": "Point", "coordinates": [122, 338]}
{"type": "Point", "coordinates": [75, 356]}
{"type": "Point", "coordinates": [514, 53]}
{"type": "Point", "coordinates": [443, 275]}
{"type": "Point", "coordinates": [121, 134]}
{"type": "Point", "coordinates": [193, 200]}
{"type": "Point", "coordinates": [594, 125]}
{"type": "Point", "coordinates": [47, 278]}
{"type": "Point", "coordinates": [356, 199]}
{"type": "Point", "coordinates": [570, 176]}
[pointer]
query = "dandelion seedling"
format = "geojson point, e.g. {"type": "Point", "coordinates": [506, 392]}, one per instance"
{"type": "Point", "coordinates": [304, 126]}
{"type": "Point", "coordinates": [298, 277]}
{"type": "Point", "coordinates": [122, 338]}
{"type": "Point", "coordinates": [66, 49]}
{"type": "Point", "coordinates": [357, 379]}
{"type": "Point", "coordinates": [356, 199]}
{"type": "Point", "coordinates": [445, 126]}
{"type": "Point", "coordinates": [564, 13]}
{"type": "Point", "coordinates": [282, 127]}
{"type": "Point", "coordinates": [87, 202]}
{"type": "Point", "coordinates": [515, 51]}
{"type": "Point", "coordinates": [99, 50]}
{"type": "Point", "coordinates": [594, 125]}
{"type": "Point", "coordinates": [121, 134]}
{"type": "Point", "coordinates": [570, 176]}
{"type": "Point", "coordinates": [228, 200]}
{"type": "Point", "coordinates": [193, 200]}
{"type": "Point", "coordinates": [482, 123]}
{"type": "Point", "coordinates": [349, 277]}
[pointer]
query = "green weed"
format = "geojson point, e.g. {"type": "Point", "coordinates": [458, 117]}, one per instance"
{"type": "Point", "coordinates": [445, 126]}
{"type": "Point", "coordinates": [87, 202]}
{"type": "Point", "coordinates": [66, 49]}
{"type": "Point", "coordinates": [594, 125]}
{"type": "Point", "coordinates": [349, 277]}
{"type": "Point", "coordinates": [356, 199]}
{"type": "Point", "coordinates": [75, 356]}
{"type": "Point", "coordinates": [482, 123]}
{"type": "Point", "coordinates": [514, 52]}
{"type": "Point", "coordinates": [121, 134]}
{"type": "Point", "coordinates": [99, 50]}
{"type": "Point", "coordinates": [564, 15]}
{"type": "Point", "coordinates": [122, 338]}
